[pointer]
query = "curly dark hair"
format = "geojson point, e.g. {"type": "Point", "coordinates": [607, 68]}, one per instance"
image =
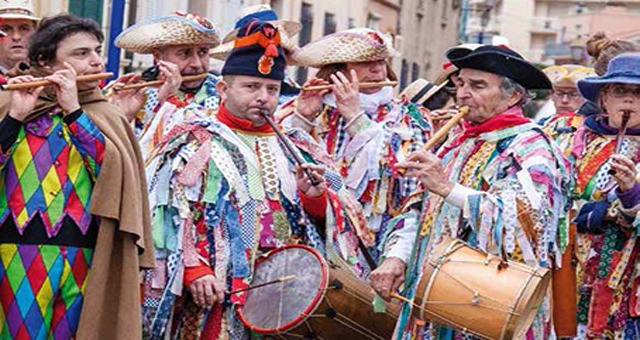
{"type": "Point", "coordinates": [43, 44]}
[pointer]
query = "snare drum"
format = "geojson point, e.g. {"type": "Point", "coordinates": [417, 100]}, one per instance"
{"type": "Point", "coordinates": [465, 289]}
{"type": "Point", "coordinates": [322, 302]}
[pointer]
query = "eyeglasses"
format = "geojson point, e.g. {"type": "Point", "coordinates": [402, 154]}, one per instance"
{"type": "Point", "coordinates": [569, 94]}
{"type": "Point", "coordinates": [621, 91]}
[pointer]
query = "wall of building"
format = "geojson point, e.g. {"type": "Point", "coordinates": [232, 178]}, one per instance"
{"type": "Point", "coordinates": [427, 29]}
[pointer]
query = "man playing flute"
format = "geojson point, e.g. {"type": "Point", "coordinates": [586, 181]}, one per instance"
{"type": "Point", "coordinates": [367, 132]}
{"type": "Point", "coordinates": [74, 216]}
{"type": "Point", "coordinates": [232, 188]}
{"type": "Point", "coordinates": [500, 183]}
{"type": "Point", "coordinates": [180, 45]}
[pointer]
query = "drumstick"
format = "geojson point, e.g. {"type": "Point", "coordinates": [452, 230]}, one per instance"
{"type": "Point", "coordinates": [288, 146]}
{"type": "Point", "coordinates": [280, 279]}
{"type": "Point", "coordinates": [365, 85]}
{"type": "Point", "coordinates": [44, 82]}
{"type": "Point", "coordinates": [402, 298]}
{"type": "Point", "coordinates": [158, 82]}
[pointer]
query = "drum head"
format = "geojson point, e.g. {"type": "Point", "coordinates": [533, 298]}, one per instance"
{"type": "Point", "coordinates": [282, 306]}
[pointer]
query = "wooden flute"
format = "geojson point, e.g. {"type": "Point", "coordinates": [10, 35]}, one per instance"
{"type": "Point", "coordinates": [288, 146]}
{"type": "Point", "coordinates": [626, 115]}
{"type": "Point", "coordinates": [365, 85]}
{"type": "Point", "coordinates": [158, 82]}
{"type": "Point", "coordinates": [444, 130]}
{"type": "Point", "coordinates": [44, 82]}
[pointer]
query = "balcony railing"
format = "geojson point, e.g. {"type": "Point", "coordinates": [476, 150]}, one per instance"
{"type": "Point", "coordinates": [545, 25]}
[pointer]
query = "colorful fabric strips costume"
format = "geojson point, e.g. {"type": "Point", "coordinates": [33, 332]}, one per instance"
{"type": "Point", "coordinates": [513, 184]}
{"type": "Point", "coordinates": [607, 218]}
{"type": "Point", "coordinates": [156, 119]}
{"type": "Point", "coordinates": [222, 190]}
{"type": "Point", "coordinates": [367, 147]}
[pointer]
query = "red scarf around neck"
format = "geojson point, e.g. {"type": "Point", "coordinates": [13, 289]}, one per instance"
{"type": "Point", "coordinates": [235, 123]}
{"type": "Point", "coordinates": [511, 117]}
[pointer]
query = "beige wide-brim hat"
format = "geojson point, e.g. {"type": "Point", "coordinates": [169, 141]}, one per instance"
{"type": "Point", "coordinates": [568, 75]}
{"type": "Point", "coordinates": [353, 45]}
{"type": "Point", "coordinates": [178, 29]}
{"type": "Point", "coordinates": [17, 9]}
{"type": "Point", "coordinates": [421, 90]}
{"type": "Point", "coordinates": [263, 12]}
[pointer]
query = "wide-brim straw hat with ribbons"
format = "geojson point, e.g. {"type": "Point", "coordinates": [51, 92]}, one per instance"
{"type": "Point", "coordinates": [421, 90]}
{"type": "Point", "coordinates": [17, 9]}
{"type": "Point", "coordinates": [177, 29]}
{"type": "Point", "coordinates": [221, 51]}
{"type": "Point", "coordinates": [264, 13]}
{"type": "Point", "coordinates": [568, 75]}
{"type": "Point", "coordinates": [349, 46]}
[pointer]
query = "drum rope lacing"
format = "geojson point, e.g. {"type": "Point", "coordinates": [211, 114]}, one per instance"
{"type": "Point", "coordinates": [475, 301]}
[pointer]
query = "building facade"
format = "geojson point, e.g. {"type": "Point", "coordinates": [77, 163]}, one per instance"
{"type": "Point", "coordinates": [546, 31]}
{"type": "Point", "coordinates": [427, 28]}
{"type": "Point", "coordinates": [422, 29]}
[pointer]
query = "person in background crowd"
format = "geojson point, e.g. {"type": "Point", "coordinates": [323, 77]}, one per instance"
{"type": "Point", "coordinates": [18, 22]}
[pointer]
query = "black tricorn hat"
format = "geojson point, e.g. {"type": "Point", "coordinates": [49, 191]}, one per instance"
{"type": "Point", "coordinates": [502, 61]}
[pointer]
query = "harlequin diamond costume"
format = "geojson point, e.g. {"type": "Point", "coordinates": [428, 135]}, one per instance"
{"type": "Point", "coordinates": [74, 222]}
{"type": "Point", "coordinates": [223, 189]}
{"type": "Point", "coordinates": [156, 119]}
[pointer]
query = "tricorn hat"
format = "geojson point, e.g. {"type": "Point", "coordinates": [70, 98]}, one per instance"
{"type": "Point", "coordinates": [500, 60]}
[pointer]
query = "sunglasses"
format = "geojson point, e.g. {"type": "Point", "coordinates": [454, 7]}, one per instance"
{"type": "Point", "coordinates": [622, 91]}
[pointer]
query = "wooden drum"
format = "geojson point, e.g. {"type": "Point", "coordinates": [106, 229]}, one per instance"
{"type": "Point", "coordinates": [475, 292]}
{"type": "Point", "coordinates": [322, 302]}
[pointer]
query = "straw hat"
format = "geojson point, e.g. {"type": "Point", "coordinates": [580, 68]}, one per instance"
{"type": "Point", "coordinates": [17, 9]}
{"type": "Point", "coordinates": [263, 13]}
{"type": "Point", "coordinates": [352, 45]}
{"type": "Point", "coordinates": [221, 51]}
{"type": "Point", "coordinates": [176, 29]}
{"type": "Point", "coordinates": [568, 75]}
{"type": "Point", "coordinates": [421, 90]}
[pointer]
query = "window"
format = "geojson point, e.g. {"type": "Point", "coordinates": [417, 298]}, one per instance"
{"type": "Point", "coordinates": [415, 71]}
{"type": "Point", "coordinates": [306, 19]}
{"type": "Point", "coordinates": [352, 23]}
{"type": "Point", "coordinates": [373, 21]}
{"type": "Point", "coordinates": [404, 74]}
{"type": "Point", "coordinates": [87, 8]}
{"type": "Point", "coordinates": [329, 23]}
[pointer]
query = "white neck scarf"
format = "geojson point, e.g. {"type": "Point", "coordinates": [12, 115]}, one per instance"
{"type": "Point", "coordinates": [368, 102]}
